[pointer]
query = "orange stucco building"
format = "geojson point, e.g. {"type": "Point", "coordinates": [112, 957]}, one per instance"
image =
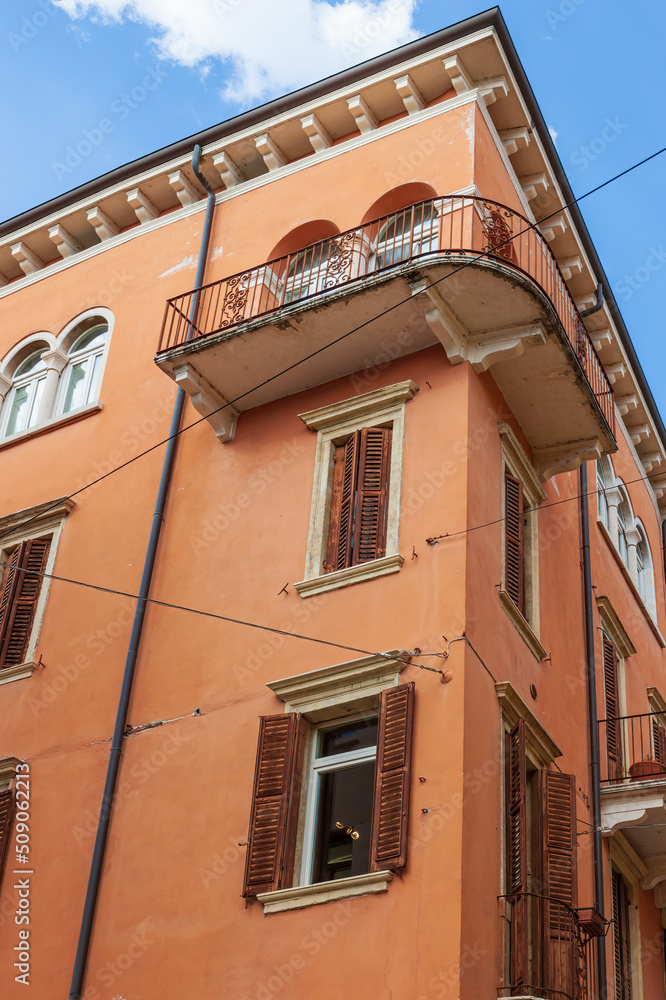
{"type": "Point", "coordinates": [372, 700]}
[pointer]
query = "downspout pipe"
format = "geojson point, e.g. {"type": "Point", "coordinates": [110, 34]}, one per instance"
{"type": "Point", "coordinates": [92, 892]}
{"type": "Point", "coordinates": [599, 303]}
{"type": "Point", "coordinates": [594, 727]}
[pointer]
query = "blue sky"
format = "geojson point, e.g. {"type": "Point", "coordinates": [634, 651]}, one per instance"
{"type": "Point", "coordinates": [160, 70]}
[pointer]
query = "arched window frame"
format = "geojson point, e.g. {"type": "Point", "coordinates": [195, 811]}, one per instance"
{"type": "Point", "coordinates": [605, 481]}
{"type": "Point", "coordinates": [307, 272]}
{"type": "Point", "coordinates": [419, 232]}
{"type": "Point", "coordinates": [72, 334]}
{"type": "Point", "coordinates": [645, 570]}
{"type": "Point", "coordinates": [11, 382]}
{"type": "Point", "coordinates": [625, 523]}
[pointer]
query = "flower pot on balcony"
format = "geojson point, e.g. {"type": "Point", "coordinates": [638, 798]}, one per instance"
{"type": "Point", "coordinates": [644, 770]}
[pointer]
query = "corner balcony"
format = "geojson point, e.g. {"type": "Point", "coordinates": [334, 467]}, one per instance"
{"type": "Point", "coordinates": [471, 274]}
{"type": "Point", "coordinates": [633, 790]}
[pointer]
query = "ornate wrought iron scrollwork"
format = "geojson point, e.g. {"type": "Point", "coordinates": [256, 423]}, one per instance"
{"type": "Point", "coordinates": [497, 230]}
{"type": "Point", "coordinates": [340, 259]}
{"type": "Point", "coordinates": [234, 304]}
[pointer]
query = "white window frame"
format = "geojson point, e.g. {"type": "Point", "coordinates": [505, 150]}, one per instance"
{"type": "Point", "coordinates": [335, 423]}
{"type": "Point", "coordinates": [516, 462]}
{"type": "Point", "coordinates": [44, 520]}
{"type": "Point", "coordinates": [317, 767]}
{"type": "Point", "coordinates": [327, 697]}
{"type": "Point", "coordinates": [412, 236]}
{"type": "Point", "coordinates": [74, 358]}
{"type": "Point", "coordinates": [34, 382]}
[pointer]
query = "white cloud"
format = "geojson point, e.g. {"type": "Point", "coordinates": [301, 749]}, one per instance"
{"type": "Point", "coordinates": [553, 135]}
{"type": "Point", "coordinates": [272, 46]}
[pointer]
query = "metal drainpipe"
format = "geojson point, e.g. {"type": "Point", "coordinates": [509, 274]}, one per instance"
{"type": "Point", "coordinates": [594, 729]}
{"type": "Point", "coordinates": [83, 946]}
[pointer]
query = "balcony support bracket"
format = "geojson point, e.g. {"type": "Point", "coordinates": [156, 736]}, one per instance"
{"type": "Point", "coordinates": [208, 402]}
{"type": "Point", "coordinates": [551, 461]}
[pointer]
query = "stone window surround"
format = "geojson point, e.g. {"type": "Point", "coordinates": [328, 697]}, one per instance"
{"type": "Point", "coordinates": [323, 695]}
{"type": "Point", "coordinates": [8, 767]}
{"type": "Point", "coordinates": [516, 462]}
{"type": "Point", "coordinates": [56, 356]}
{"type": "Point", "coordinates": [625, 860]}
{"type": "Point", "coordinates": [617, 495]}
{"type": "Point", "coordinates": [334, 423]}
{"type": "Point", "coordinates": [45, 518]}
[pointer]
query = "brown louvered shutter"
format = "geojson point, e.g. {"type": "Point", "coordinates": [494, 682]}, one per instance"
{"type": "Point", "coordinates": [513, 533]}
{"type": "Point", "coordinates": [277, 779]}
{"type": "Point", "coordinates": [390, 812]}
{"type": "Point", "coordinates": [621, 942]}
{"type": "Point", "coordinates": [372, 494]}
{"type": "Point", "coordinates": [516, 851]}
{"type": "Point", "coordinates": [659, 742]}
{"type": "Point", "coordinates": [18, 611]}
{"type": "Point", "coordinates": [516, 819]}
{"type": "Point", "coordinates": [613, 730]}
{"type": "Point", "coordinates": [558, 808]}
{"type": "Point", "coordinates": [8, 587]}
{"type": "Point", "coordinates": [559, 883]}
{"type": "Point", "coordinates": [340, 532]}
{"type": "Point", "coordinates": [6, 815]}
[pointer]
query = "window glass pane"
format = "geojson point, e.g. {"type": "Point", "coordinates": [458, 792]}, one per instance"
{"type": "Point", "coordinates": [91, 339]}
{"type": "Point", "coordinates": [18, 413]}
{"type": "Point", "coordinates": [343, 824]}
{"type": "Point", "coordinates": [353, 735]}
{"type": "Point", "coordinates": [33, 363]}
{"type": "Point", "coordinates": [75, 396]}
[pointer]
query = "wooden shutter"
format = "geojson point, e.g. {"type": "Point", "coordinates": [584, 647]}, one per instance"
{"type": "Point", "coordinates": [516, 810]}
{"type": "Point", "coordinates": [277, 779]}
{"type": "Point", "coordinates": [613, 730]}
{"type": "Point", "coordinates": [6, 815]}
{"type": "Point", "coordinates": [359, 503]}
{"type": "Point", "coordinates": [559, 883]}
{"type": "Point", "coordinates": [658, 742]}
{"type": "Point", "coordinates": [516, 851]}
{"type": "Point", "coordinates": [513, 534]}
{"type": "Point", "coordinates": [558, 810]}
{"type": "Point", "coordinates": [621, 942]}
{"type": "Point", "coordinates": [390, 812]}
{"type": "Point", "coordinates": [19, 599]}
{"type": "Point", "coordinates": [340, 532]}
{"type": "Point", "coordinates": [372, 494]}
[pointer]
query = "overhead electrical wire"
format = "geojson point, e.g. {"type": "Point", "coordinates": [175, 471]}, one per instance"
{"type": "Point", "coordinates": [225, 618]}
{"type": "Point", "coordinates": [489, 253]}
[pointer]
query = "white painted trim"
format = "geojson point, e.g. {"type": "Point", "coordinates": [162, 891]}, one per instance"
{"type": "Point", "coordinates": [336, 687]}
{"type": "Point", "coordinates": [18, 672]}
{"type": "Point", "coordinates": [324, 892]}
{"type": "Point", "coordinates": [352, 574]}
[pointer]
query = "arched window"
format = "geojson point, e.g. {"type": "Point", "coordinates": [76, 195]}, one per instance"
{"type": "Point", "coordinates": [21, 407]}
{"type": "Point", "coordinates": [604, 482]}
{"type": "Point", "coordinates": [306, 274]}
{"type": "Point", "coordinates": [409, 233]}
{"type": "Point", "coordinates": [644, 570]}
{"type": "Point", "coordinates": [622, 527]}
{"type": "Point", "coordinates": [79, 383]}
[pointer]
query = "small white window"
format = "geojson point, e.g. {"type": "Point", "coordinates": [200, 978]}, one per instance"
{"type": "Point", "coordinates": [307, 272]}
{"type": "Point", "coordinates": [80, 379]}
{"type": "Point", "coordinates": [21, 407]}
{"type": "Point", "coordinates": [336, 841]}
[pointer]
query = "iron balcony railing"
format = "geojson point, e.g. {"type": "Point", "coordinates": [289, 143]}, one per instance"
{"type": "Point", "coordinates": [548, 949]}
{"type": "Point", "coordinates": [633, 748]}
{"type": "Point", "coordinates": [451, 226]}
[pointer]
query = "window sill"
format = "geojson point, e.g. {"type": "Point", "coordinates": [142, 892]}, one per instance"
{"type": "Point", "coordinates": [634, 589]}
{"type": "Point", "coordinates": [353, 574]}
{"type": "Point", "coordinates": [522, 625]}
{"type": "Point", "coordinates": [49, 425]}
{"type": "Point", "coordinates": [323, 892]}
{"type": "Point", "coordinates": [17, 673]}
